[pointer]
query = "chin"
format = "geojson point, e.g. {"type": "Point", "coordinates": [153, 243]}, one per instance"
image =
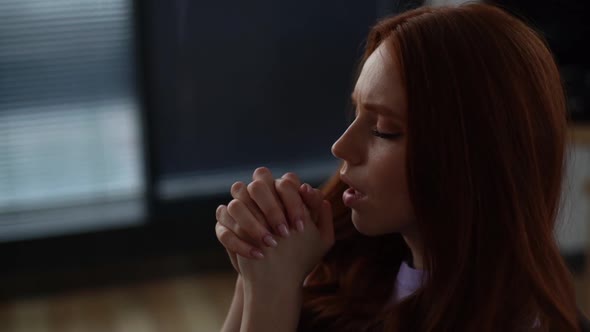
{"type": "Point", "coordinates": [365, 227]}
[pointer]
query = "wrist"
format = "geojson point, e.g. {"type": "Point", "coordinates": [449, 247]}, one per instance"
{"type": "Point", "coordinates": [262, 287]}
{"type": "Point", "coordinates": [272, 292]}
{"type": "Point", "coordinates": [234, 317]}
{"type": "Point", "coordinates": [274, 308]}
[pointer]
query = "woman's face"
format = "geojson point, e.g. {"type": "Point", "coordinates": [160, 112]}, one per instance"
{"type": "Point", "coordinates": [375, 166]}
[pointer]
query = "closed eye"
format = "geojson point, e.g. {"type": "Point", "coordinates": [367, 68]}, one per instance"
{"type": "Point", "coordinates": [385, 135]}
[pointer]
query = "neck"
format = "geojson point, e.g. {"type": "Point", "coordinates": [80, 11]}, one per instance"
{"type": "Point", "coordinates": [414, 243]}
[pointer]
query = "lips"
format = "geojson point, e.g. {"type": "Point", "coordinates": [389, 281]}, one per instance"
{"type": "Point", "coordinates": [351, 196]}
{"type": "Point", "coordinates": [344, 178]}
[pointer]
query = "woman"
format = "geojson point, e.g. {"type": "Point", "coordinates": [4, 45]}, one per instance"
{"type": "Point", "coordinates": [444, 206]}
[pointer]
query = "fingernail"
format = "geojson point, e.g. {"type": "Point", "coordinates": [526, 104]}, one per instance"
{"type": "Point", "coordinates": [307, 188]}
{"type": "Point", "coordinates": [257, 253]}
{"type": "Point", "coordinates": [299, 224]}
{"type": "Point", "coordinates": [283, 230]}
{"type": "Point", "coordinates": [270, 241]}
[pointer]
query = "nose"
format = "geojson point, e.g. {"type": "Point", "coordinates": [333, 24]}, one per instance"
{"type": "Point", "coordinates": [346, 148]}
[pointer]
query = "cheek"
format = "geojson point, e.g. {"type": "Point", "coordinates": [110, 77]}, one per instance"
{"type": "Point", "coordinates": [395, 210]}
{"type": "Point", "coordinates": [390, 209]}
{"type": "Point", "coordinates": [390, 179]}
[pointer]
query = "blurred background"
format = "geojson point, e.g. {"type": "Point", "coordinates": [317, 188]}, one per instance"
{"type": "Point", "coordinates": [123, 124]}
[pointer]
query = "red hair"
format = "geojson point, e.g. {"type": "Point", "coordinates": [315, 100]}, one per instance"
{"type": "Point", "coordinates": [485, 159]}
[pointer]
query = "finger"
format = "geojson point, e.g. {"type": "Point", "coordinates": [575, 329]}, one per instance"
{"type": "Point", "coordinates": [270, 205]}
{"type": "Point", "coordinates": [312, 198]}
{"type": "Point", "coordinates": [265, 175]}
{"type": "Point", "coordinates": [326, 224]}
{"type": "Point", "coordinates": [262, 173]}
{"type": "Point", "coordinates": [239, 192]}
{"type": "Point", "coordinates": [292, 177]}
{"type": "Point", "coordinates": [297, 182]}
{"type": "Point", "coordinates": [232, 243]}
{"type": "Point", "coordinates": [291, 200]}
{"type": "Point", "coordinates": [240, 221]}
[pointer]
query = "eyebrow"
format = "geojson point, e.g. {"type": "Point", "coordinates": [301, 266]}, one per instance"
{"type": "Point", "coordinates": [378, 108]}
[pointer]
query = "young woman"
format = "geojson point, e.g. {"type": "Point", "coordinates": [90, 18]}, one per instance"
{"type": "Point", "coordinates": [442, 213]}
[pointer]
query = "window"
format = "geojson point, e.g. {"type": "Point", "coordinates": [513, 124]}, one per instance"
{"type": "Point", "coordinates": [70, 149]}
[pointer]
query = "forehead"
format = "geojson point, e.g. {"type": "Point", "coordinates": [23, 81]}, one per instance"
{"type": "Point", "coordinates": [380, 80]}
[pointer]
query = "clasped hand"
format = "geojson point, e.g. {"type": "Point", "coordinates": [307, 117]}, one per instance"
{"type": "Point", "coordinates": [275, 231]}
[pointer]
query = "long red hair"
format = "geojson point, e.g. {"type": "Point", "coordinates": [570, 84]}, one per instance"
{"type": "Point", "coordinates": [485, 159]}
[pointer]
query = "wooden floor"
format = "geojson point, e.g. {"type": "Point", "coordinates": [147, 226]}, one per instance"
{"type": "Point", "coordinates": [179, 304]}
{"type": "Point", "coordinates": [195, 304]}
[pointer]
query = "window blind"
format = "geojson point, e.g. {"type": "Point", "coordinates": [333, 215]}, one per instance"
{"type": "Point", "coordinates": [69, 133]}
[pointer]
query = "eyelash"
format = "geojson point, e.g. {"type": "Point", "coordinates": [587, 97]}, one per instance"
{"type": "Point", "coordinates": [384, 135]}
{"type": "Point", "coordinates": [379, 134]}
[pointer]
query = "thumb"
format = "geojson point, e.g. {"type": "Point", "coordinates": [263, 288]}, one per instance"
{"type": "Point", "coordinates": [326, 224]}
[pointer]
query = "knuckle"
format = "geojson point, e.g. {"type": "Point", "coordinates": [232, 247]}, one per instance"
{"type": "Point", "coordinates": [237, 229]}
{"type": "Point", "coordinates": [236, 187]}
{"type": "Point", "coordinates": [283, 184]}
{"type": "Point", "coordinates": [288, 193]}
{"type": "Point", "coordinates": [233, 206]}
{"type": "Point", "coordinates": [218, 212]}
{"type": "Point", "coordinates": [261, 171]}
{"type": "Point", "coordinates": [291, 176]}
{"type": "Point", "coordinates": [289, 183]}
{"type": "Point", "coordinates": [255, 186]}
{"type": "Point", "coordinates": [226, 220]}
{"type": "Point", "coordinates": [224, 235]}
